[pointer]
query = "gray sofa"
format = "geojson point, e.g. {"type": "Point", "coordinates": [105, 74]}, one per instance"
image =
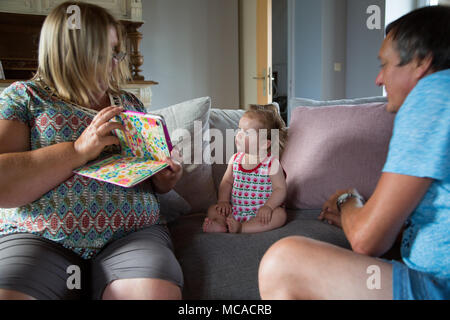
{"type": "Point", "coordinates": [225, 266]}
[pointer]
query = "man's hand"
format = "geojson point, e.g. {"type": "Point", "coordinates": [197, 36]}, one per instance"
{"type": "Point", "coordinates": [330, 212]}
{"type": "Point", "coordinates": [264, 214]}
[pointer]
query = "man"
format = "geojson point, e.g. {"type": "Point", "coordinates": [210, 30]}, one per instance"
{"type": "Point", "coordinates": [412, 193]}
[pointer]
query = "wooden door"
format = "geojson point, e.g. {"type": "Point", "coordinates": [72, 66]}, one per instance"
{"type": "Point", "coordinates": [255, 51]}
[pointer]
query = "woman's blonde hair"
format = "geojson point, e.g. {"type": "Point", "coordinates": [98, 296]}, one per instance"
{"type": "Point", "coordinates": [77, 62]}
{"type": "Point", "coordinates": [270, 118]}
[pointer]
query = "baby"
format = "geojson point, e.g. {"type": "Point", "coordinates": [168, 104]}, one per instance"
{"type": "Point", "coordinates": [253, 189]}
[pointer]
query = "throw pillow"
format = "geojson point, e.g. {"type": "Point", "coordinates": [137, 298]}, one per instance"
{"type": "Point", "coordinates": [188, 125]}
{"type": "Point", "coordinates": [223, 120]}
{"type": "Point", "coordinates": [335, 147]}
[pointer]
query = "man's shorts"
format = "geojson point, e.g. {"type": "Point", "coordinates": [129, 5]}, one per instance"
{"type": "Point", "coordinates": [409, 284]}
{"type": "Point", "coordinates": [40, 268]}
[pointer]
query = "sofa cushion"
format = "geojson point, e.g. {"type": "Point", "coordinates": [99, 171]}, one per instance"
{"type": "Point", "coordinates": [221, 120]}
{"type": "Point", "coordinates": [335, 147]}
{"type": "Point", "coordinates": [188, 125]}
{"type": "Point", "coordinates": [303, 102]}
{"type": "Point", "coordinates": [224, 266]}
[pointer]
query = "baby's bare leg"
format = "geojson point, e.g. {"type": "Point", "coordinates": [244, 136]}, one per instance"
{"type": "Point", "coordinates": [214, 222]}
{"type": "Point", "coordinates": [278, 220]}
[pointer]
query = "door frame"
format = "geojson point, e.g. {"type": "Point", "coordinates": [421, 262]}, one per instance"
{"type": "Point", "coordinates": [255, 19]}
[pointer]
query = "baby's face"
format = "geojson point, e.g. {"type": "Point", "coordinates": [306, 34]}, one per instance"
{"type": "Point", "coordinates": [248, 139]}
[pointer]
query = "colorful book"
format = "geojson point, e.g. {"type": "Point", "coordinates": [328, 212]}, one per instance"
{"type": "Point", "coordinates": [144, 146]}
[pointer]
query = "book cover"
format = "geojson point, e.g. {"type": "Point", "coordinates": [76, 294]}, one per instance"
{"type": "Point", "coordinates": [144, 145]}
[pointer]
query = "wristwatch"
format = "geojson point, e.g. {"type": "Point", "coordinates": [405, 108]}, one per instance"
{"type": "Point", "coordinates": [343, 198]}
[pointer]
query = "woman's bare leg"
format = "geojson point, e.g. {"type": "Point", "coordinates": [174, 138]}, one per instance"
{"type": "Point", "coordinates": [302, 268]}
{"type": "Point", "coordinates": [14, 295]}
{"type": "Point", "coordinates": [142, 289]}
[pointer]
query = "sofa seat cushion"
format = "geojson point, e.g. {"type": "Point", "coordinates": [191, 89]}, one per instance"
{"type": "Point", "coordinates": [225, 266]}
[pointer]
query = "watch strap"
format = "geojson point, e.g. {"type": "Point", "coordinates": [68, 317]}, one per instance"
{"type": "Point", "coordinates": [343, 198]}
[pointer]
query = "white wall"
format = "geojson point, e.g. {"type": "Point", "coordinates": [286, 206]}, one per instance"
{"type": "Point", "coordinates": [334, 49]}
{"type": "Point", "coordinates": [320, 42]}
{"type": "Point", "coordinates": [191, 47]}
{"type": "Point", "coordinates": [307, 49]}
{"type": "Point", "coordinates": [363, 46]}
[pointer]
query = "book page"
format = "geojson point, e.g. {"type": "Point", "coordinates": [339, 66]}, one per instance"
{"type": "Point", "coordinates": [143, 150]}
{"type": "Point", "coordinates": [144, 137]}
{"type": "Point", "coordinates": [124, 172]}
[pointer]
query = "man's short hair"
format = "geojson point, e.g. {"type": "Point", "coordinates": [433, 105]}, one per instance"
{"type": "Point", "coordinates": [421, 33]}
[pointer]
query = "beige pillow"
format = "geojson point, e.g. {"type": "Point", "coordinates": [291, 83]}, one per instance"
{"type": "Point", "coordinates": [223, 120]}
{"type": "Point", "coordinates": [188, 123]}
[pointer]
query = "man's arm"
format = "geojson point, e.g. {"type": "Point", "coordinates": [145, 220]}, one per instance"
{"type": "Point", "coordinates": [373, 228]}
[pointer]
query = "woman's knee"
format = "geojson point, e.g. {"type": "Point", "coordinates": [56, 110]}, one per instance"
{"type": "Point", "coordinates": [14, 295]}
{"type": "Point", "coordinates": [142, 289]}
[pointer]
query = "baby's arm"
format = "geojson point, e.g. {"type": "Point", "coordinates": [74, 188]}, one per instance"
{"type": "Point", "coordinates": [279, 192]}
{"type": "Point", "coordinates": [279, 186]}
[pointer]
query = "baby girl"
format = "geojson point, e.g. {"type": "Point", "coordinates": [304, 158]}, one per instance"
{"type": "Point", "coordinates": [253, 189]}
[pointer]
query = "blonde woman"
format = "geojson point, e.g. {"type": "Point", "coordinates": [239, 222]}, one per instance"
{"type": "Point", "coordinates": [53, 220]}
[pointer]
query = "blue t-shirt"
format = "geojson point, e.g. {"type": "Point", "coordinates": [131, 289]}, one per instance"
{"type": "Point", "coordinates": [420, 147]}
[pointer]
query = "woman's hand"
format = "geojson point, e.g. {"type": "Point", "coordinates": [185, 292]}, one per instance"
{"type": "Point", "coordinates": [166, 179]}
{"type": "Point", "coordinates": [224, 208]}
{"type": "Point", "coordinates": [98, 134]}
{"type": "Point", "coordinates": [330, 212]}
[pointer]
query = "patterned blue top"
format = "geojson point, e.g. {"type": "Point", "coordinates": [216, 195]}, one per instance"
{"type": "Point", "coordinates": [420, 147]}
{"type": "Point", "coordinates": [81, 214]}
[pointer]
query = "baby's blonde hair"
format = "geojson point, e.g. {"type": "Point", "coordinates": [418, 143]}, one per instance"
{"type": "Point", "coordinates": [74, 62]}
{"type": "Point", "coordinates": [270, 118]}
